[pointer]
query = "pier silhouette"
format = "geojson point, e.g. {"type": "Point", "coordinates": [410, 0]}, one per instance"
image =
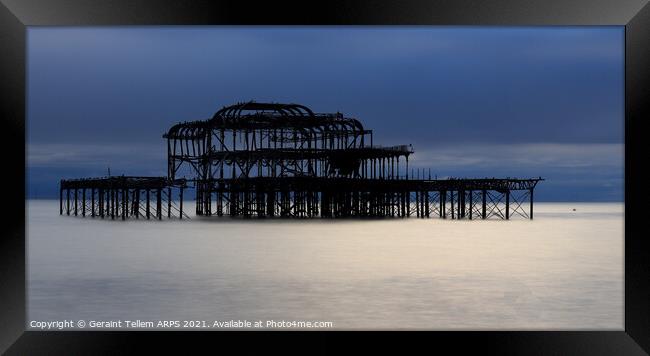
{"type": "Point", "coordinates": [283, 160]}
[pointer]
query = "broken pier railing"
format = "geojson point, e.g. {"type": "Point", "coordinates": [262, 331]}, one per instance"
{"type": "Point", "coordinates": [122, 197]}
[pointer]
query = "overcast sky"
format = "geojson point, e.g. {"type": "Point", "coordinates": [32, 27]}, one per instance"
{"type": "Point", "coordinates": [473, 101]}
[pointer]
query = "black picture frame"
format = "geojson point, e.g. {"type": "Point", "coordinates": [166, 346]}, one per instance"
{"type": "Point", "coordinates": [16, 15]}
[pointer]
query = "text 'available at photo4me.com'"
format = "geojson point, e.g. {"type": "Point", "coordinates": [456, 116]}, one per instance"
{"type": "Point", "coordinates": [175, 324]}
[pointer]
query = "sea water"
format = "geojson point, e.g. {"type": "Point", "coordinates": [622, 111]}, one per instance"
{"type": "Point", "coordinates": [563, 270]}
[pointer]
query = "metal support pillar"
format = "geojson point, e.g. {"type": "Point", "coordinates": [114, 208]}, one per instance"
{"type": "Point", "coordinates": [101, 202]}
{"type": "Point", "coordinates": [507, 204]}
{"type": "Point", "coordinates": [483, 207]}
{"type": "Point", "coordinates": [452, 205]}
{"type": "Point", "coordinates": [426, 204]}
{"type": "Point", "coordinates": [531, 204]}
{"type": "Point", "coordinates": [444, 205]}
{"type": "Point", "coordinates": [136, 203]}
{"type": "Point", "coordinates": [461, 203]}
{"type": "Point", "coordinates": [112, 202]}
{"type": "Point", "coordinates": [148, 205]}
{"type": "Point", "coordinates": [180, 214]}
{"type": "Point", "coordinates": [169, 202]}
{"type": "Point", "coordinates": [125, 204]}
{"type": "Point", "coordinates": [61, 200]}
{"type": "Point", "coordinates": [159, 203]}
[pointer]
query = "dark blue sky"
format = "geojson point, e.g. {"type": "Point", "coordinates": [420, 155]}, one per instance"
{"type": "Point", "coordinates": [473, 101]}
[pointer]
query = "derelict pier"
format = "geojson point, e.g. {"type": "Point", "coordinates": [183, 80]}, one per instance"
{"type": "Point", "coordinates": [283, 160]}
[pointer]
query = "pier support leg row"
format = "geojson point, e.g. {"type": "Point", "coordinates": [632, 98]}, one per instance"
{"type": "Point", "coordinates": [119, 197]}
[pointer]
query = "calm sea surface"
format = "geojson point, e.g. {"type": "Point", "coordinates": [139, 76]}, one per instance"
{"type": "Point", "coordinates": [563, 270]}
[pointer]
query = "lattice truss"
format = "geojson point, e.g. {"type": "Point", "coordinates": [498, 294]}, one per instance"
{"type": "Point", "coordinates": [472, 204]}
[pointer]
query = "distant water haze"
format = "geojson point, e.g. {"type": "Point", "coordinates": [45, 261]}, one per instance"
{"type": "Point", "coordinates": [563, 270]}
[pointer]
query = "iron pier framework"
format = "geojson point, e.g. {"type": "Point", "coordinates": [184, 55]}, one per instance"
{"type": "Point", "coordinates": [283, 160]}
{"type": "Point", "coordinates": [122, 197]}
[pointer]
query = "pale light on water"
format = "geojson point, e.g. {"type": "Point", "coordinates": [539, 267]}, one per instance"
{"type": "Point", "coordinates": [563, 270]}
